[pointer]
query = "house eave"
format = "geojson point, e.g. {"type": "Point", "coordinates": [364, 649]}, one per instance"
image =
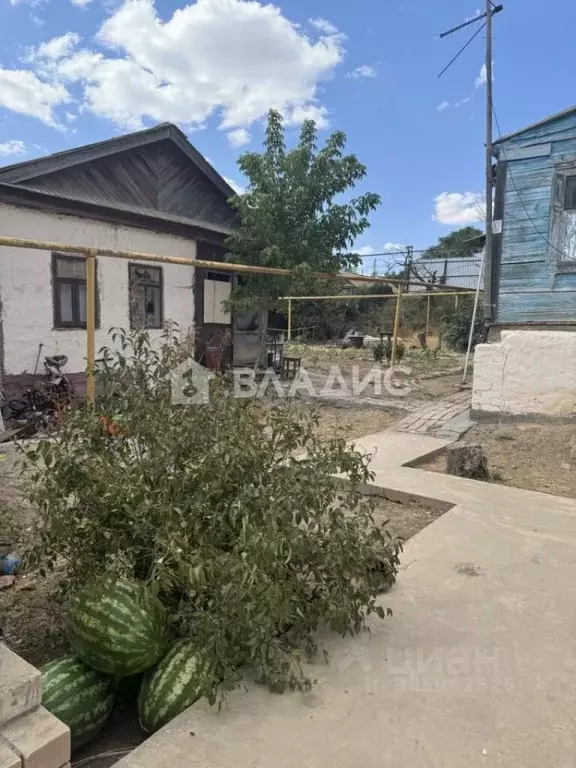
{"type": "Point", "coordinates": [11, 194]}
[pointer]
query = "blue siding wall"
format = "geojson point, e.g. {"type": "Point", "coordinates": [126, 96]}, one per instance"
{"type": "Point", "coordinates": [528, 288]}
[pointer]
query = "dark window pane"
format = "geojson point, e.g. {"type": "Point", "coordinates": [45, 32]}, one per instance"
{"type": "Point", "coordinates": [145, 275]}
{"type": "Point", "coordinates": [570, 196]}
{"type": "Point", "coordinates": [71, 268]}
{"type": "Point", "coordinates": [152, 307]}
{"type": "Point", "coordinates": [145, 295]}
{"type": "Point", "coordinates": [66, 308]}
{"type": "Point", "coordinates": [82, 303]}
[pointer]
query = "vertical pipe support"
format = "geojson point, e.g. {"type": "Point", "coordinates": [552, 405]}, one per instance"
{"type": "Point", "coordinates": [90, 327]}
{"type": "Point", "coordinates": [396, 325]}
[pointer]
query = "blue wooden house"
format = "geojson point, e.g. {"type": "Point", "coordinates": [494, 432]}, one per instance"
{"type": "Point", "coordinates": [529, 364]}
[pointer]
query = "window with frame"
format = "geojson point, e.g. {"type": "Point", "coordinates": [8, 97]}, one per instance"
{"type": "Point", "coordinates": [69, 291]}
{"type": "Point", "coordinates": [145, 289]}
{"type": "Point", "coordinates": [568, 228]}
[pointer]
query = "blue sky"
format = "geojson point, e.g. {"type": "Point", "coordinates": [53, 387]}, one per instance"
{"type": "Point", "coordinates": [78, 71]}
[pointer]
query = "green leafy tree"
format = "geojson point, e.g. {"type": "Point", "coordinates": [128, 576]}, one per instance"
{"type": "Point", "coordinates": [455, 245]}
{"type": "Point", "coordinates": [295, 212]}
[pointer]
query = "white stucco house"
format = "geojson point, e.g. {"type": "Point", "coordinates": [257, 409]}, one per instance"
{"type": "Point", "coordinates": [149, 192]}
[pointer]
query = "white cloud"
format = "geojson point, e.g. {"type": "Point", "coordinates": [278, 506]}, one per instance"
{"type": "Point", "coordinates": [14, 147]}
{"type": "Point", "coordinates": [56, 48]}
{"type": "Point", "coordinates": [231, 58]}
{"type": "Point", "coordinates": [364, 70]}
{"type": "Point", "coordinates": [442, 106]}
{"type": "Point", "coordinates": [70, 117]}
{"type": "Point", "coordinates": [238, 137]}
{"type": "Point", "coordinates": [481, 79]}
{"type": "Point", "coordinates": [80, 3]}
{"type": "Point", "coordinates": [459, 208]}
{"type": "Point", "coordinates": [464, 101]}
{"type": "Point", "coordinates": [300, 112]}
{"type": "Point", "coordinates": [238, 188]}
{"type": "Point", "coordinates": [24, 92]}
{"type": "Point", "coordinates": [326, 27]}
{"type": "Point", "coordinates": [368, 250]}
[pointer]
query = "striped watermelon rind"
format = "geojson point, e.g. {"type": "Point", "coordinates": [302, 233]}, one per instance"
{"type": "Point", "coordinates": [78, 696]}
{"type": "Point", "coordinates": [182, 677]}
{"type": "Point", "coordinates": [117, 627]}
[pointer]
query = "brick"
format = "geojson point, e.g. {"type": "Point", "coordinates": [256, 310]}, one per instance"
{"type": "Point", "coordinates": [41, 740]}
{"type": "Point", "coordinates": [8, 758]}
{"type": "Point", "coordinates": [20, 686]}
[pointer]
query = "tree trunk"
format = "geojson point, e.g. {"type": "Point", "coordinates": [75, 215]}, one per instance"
{"type": "Point", "coordinates": [467, 460]}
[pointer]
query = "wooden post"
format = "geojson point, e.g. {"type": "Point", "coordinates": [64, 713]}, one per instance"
{"type": "Point", "coordinates": [289, 319]}
{"type": "Point", "coordinates": [90, 328]}
{"type": "Point", "coordinates": [428, 316]}
{"type": "Point", "coordinates": [456, 303]}
{"type": "Point", "coordinates": [396, 326]}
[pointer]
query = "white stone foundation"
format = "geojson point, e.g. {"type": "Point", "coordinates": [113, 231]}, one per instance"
{"type": "Point", "coordinates": [526, 372]}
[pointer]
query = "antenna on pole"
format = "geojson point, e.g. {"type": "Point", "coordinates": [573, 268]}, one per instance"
{"type": "Point", "coordinates": [491, 10]}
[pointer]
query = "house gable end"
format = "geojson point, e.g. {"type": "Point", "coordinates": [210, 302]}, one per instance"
{"type": "Point", "coordinates": [156, 171]}
{"type": "Point", "coordinates": [558, 127]}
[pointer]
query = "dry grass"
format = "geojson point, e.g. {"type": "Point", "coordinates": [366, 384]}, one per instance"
{"type": "Point", "coordinates": [355, 422]}
{"type": "Point", "coordinates": [537, 457]}
{"type": "Point", "coordinates": [404, 519]}
{"type": "Point", "coordinates": [432, 374]}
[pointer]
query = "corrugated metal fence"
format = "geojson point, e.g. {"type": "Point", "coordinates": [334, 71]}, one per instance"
{"type": "Point", "coordinates": [453, 272]}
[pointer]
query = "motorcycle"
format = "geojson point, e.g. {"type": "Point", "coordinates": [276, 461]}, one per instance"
{"type": "Point", "coordinates": [36, 409]}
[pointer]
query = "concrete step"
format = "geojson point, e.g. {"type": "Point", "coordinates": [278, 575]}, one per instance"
{"type": "Point", "coordinates": [20, 686]}
{"type": "Point", "coordinates": [38, 739]}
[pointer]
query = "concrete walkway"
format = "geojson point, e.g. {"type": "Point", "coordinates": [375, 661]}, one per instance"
{"type": "Point", "coordinates": [439, 417]}
{"type": "Point", "coordinates": [477, 667]}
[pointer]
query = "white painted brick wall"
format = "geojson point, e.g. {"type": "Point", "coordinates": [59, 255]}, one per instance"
{"type": "Point", "coordinates": [526, 372]}
{"type": "Point", "coordinates": [26, 284]}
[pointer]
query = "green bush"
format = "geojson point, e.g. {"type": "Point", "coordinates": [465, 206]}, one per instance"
{"type": "Point", "coordinates": [383, 351]}
{"type": "Point", "coordinates": [456, 329]}
{"type": "Point", "coordinates": [229, 511]}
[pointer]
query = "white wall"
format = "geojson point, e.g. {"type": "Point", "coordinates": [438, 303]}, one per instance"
{"type": "Point", "coordinates": [26, 284]}
{"type": "Point", "coordinates": [526, 372]}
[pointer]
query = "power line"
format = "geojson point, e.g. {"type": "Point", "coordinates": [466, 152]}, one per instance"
{"type": "Point", "coordinates": [530, 219]}
{"type": "Point", "coordinates": [461, 51]}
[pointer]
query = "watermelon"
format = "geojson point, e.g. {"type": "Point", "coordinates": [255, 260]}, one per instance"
{"type": "Point", "coordinates": [117, 627]}
{"type": "Point", "coordinates": [79, 696]}
{"type": "Point", "coordinates": [180, 679]}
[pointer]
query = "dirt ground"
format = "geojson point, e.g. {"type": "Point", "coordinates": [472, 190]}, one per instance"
{"type": "Point", "coordinates": [356, 422]}
{"type": "Point", "coordinates": [404, 520]}
{"type": "Point", "coordinates": [430, 374]}
{"type": "Point", "coordinates": [31, 622]}
{"type": "Point", "coordinates": [536, 456]}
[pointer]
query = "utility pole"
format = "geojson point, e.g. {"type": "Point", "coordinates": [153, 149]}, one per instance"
{"type": "Point", "coordinates": [490, 11]}
{"type": "Point", "coordinates": [488, 298]}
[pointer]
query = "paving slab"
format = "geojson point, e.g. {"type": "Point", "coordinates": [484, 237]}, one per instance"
{"type": "Point", "coordinates": [476, 668]}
